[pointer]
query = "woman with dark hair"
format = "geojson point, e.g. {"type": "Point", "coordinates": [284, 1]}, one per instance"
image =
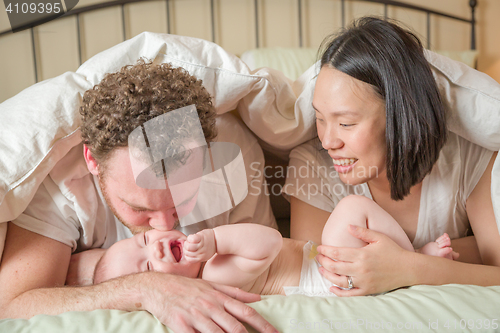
{"type": "Point", "coordinates": [382, 133]}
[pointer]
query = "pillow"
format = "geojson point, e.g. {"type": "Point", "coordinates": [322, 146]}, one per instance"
{"type": "Point", "coordinates": [468, 57]}
{"type": "Point", "coordinates": [295, 61]}
{"type": "Point", "coordinates": [291, 61]}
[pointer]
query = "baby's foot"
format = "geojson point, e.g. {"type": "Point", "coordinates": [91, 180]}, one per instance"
{"type": "Point", "coordinates": [440, 248]}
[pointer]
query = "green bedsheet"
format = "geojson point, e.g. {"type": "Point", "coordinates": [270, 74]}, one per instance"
{"type": "Point", "coordinates": [449, 308]}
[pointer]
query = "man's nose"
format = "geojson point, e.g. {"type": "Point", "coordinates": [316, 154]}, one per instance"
{"type": "Point", "coordinates": [330, 139]}
{"type": "Point", "coordinates": [164, 221]}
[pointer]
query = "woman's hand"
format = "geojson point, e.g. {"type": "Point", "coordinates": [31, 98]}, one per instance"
{"type": "Point", "coordinates": [380, 266]}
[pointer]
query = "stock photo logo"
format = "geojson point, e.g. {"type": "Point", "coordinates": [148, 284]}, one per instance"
{"type": "Point", "coordinates": [24, 14]}
{"type": "Point", "coordinates": [204, 180]}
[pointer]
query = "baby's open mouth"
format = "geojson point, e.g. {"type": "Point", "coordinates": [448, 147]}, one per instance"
{"type": "Point", "coordinates": [175, 247]}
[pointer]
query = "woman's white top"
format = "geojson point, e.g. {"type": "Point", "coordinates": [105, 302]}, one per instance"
{"type": "Point", "coordinates": [312, 179]}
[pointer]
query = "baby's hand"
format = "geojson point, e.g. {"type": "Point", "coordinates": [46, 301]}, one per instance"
{"type": "Point", "coordinates": [200, 246]}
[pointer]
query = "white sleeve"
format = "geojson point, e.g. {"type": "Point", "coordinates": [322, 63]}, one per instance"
{"type": "Point", "coordinates": [52, 215]}
{"type": "Point", "coordinates": [307, 178]}
{"type": "Point", "coordinates": [474, 159]}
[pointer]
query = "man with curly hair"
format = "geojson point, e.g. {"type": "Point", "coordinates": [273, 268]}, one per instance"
{"type": "Point", "coordinates": [92, 201]}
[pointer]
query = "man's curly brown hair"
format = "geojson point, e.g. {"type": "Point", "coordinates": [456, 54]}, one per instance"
{"type": "Point", "coordinates": [127, 99]}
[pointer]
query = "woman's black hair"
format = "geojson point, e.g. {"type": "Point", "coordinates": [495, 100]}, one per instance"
{"type": "Point", "coordinates": [392, 60]}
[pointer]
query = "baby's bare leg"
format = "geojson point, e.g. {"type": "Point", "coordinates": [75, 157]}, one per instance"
{"type": "Point", "coordinates": [363, 212]}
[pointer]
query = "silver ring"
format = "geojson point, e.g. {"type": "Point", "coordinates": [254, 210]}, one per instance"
{"type": "Point", "coordinates": [349, 280]}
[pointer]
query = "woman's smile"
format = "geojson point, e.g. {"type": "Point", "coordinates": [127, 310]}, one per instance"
{"type": "Point", "coordinates": [344, 165]}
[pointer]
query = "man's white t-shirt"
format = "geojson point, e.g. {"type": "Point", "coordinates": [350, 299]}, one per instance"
{"type": "Point", "coordinates": [70, 208]}
{"type": "Point", "coordinates": [312, 179]}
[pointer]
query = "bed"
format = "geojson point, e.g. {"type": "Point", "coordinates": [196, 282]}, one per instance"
{"type": "Point", "coordinates": [284, 121]}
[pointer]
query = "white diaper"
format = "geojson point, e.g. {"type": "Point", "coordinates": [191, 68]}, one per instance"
{"type": "Point", "coordinates": [312, 283]}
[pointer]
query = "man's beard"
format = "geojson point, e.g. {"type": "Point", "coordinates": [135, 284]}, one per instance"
{"type": "Point", "coordinates": [134, 229]}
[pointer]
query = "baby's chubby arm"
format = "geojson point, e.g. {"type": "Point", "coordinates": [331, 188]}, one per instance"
{"type": "Point", "coordinates": [244, 251]}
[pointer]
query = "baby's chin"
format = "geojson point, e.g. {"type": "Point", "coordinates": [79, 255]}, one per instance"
{"type": "Point", "coordinates": [191, 269]}
{"type": "Point", "coordinates": [196, 271]}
